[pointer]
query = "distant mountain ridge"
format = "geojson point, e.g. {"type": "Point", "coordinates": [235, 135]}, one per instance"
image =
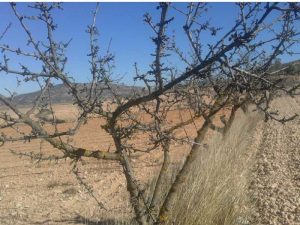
{"type": "Point", "coordinates": [60, 94]}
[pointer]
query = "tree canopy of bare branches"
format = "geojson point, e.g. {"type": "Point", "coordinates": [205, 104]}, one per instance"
{"type": "Point", "coordinates": [231, 73]}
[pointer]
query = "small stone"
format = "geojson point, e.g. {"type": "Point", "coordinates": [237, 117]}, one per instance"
{"type": "Point", "coordinates": [273, 186]}
{"type": "Point", "coordinates": [13, 213]}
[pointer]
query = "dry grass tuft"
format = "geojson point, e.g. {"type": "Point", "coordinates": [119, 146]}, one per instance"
{"type": "Point", "coordinates": [215, 192]}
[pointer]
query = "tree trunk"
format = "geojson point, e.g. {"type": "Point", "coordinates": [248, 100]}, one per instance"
{"type": "Point", "coordinates": [182, 175]}
{"type": "Point", "coordinates": [136, 197]}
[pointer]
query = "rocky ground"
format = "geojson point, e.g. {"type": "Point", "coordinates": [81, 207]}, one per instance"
{"type": "Point", "coordinates": [275, 186]}
{"type": "Point", "coordinates": [33, 192]}
{"type": "Point", "coordinates": [39, 193]}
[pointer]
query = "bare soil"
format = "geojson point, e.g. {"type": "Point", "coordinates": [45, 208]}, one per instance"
{"type": "Point", "coordinates": [34, 192]}
{"type": "Point", "coordinates": [48, 192]}
{"type": "Point", "coordinates": [275, 186]}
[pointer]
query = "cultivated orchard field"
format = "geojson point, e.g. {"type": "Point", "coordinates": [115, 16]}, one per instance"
{"type": "Point", "coordinates": [35, 192]}
{"type": "Point", "coordinates": [206, 134]}
{"type": "Point", "coordinates": [36, 187]}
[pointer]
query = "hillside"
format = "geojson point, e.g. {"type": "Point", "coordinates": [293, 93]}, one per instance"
{"type": "Point", "coordinates": [60, 94]}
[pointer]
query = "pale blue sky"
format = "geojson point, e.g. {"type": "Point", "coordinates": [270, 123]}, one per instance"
{"type": "Point", "coordinates": [123, 22]}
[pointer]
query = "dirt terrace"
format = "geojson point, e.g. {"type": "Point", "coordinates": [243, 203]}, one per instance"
{"type": "Point", "coordinates": [275, 186]}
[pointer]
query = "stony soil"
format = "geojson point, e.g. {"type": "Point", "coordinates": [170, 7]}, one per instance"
{"type": "Point", "coordinates": [275, 186]}
{"type": "Point", "coordinates": [48, 193]}
{"type": "Point", "coordinates": [34, 192]}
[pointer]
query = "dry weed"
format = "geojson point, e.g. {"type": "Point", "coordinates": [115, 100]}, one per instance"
{"type": "Point", "coordinates": [215, 192]}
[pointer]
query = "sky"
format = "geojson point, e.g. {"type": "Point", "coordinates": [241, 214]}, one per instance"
{"type": "Point", "coordinates": [122, 23]}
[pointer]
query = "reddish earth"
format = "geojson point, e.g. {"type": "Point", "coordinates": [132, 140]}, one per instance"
{"type": "Point", "coordinates": [49, 193]}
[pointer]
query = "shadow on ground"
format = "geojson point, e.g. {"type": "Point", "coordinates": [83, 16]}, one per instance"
{"type": "Point", "coordinates": [83, 220]}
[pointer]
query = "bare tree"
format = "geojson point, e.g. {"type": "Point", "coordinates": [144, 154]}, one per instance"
{"type": "Point", "coordinates": [231, 73]}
